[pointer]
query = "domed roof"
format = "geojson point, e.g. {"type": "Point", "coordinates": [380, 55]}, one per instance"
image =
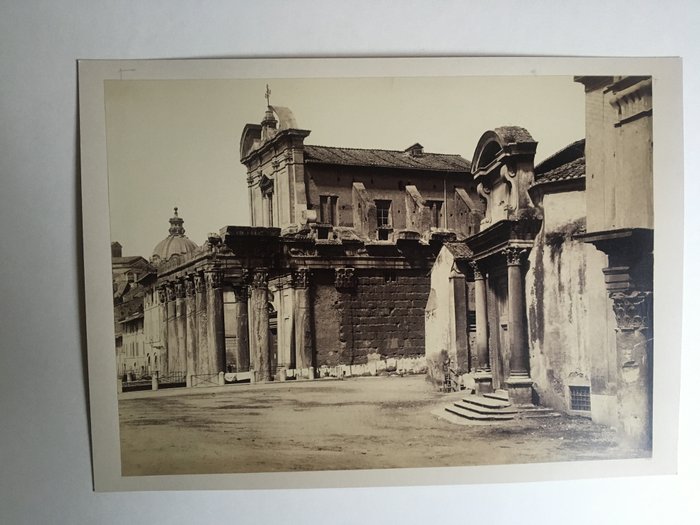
{"type": "Point", "coordinates": [176, 243]}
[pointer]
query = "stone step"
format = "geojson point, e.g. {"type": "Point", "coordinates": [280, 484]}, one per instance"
{"type": "Point", "coordinates": [500, 395]}
{"type": "Point", "coordinates": [486, 402]}
{"type": "Point", "coordinates": [475, 416]}
{"type": "Point", "coordinates": [486, 410]}
{"type": "Point", "coordinates": [537, 411]}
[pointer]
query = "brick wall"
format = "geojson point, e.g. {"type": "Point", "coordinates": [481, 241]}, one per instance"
{"type": "Point", "coordinates": [383, 315]}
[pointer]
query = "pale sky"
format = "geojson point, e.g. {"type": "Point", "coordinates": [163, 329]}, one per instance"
{"type": "Point", "coordinates": [176, 142]}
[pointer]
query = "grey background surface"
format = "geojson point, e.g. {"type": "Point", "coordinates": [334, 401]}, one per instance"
{"type": "Point", "coordinates": [45, 472]}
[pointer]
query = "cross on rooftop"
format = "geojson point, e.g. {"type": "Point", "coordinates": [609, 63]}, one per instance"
{"type": "Point", "coordinates": [267, 93]}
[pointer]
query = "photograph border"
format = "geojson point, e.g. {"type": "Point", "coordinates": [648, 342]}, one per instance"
{"type": "Point", "coordinates": [668, 213]}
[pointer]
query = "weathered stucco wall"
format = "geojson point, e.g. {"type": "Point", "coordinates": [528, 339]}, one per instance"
{"type": "Point", "coordinates": [440, 320]}
{"type": "Point", "coordinates": [566, 325]}
{"type": "Point", "coordinates": [381, 318]}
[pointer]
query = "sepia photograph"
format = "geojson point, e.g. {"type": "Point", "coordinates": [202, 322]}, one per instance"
{"type": "Point", "coordinates": [379, 272]}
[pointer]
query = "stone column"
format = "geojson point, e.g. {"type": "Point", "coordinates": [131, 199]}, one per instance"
{"type": "Point", "coordinates": [171, 358]}
{"type": "Point", "coordinates": [242, 347]}
{"type": "Point", "coordinates": [200, 311]}
{"type": "Point", "coordinates": [180, 326]}
{"type": "Point", "coordinates": [191, 336]}
{"type": "Point", "coordinates": [163, 299]}
{"type": "Point", "coordinates": [518, 382]}
{"type": "Point", "coordinates": [215, 325]}
{"type": "Point", "coordinates": [519, 358]}
{"type": "Point", "coordinates": [482, 333]}
{"type": "Point", "coordinates": [260, 327]}
{"type": "Point", "coordinates": [634, 364]}
{"type": "Point", "coordinates": [302, 321]}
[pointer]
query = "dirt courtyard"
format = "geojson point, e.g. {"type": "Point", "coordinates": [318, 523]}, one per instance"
{"type": "Point", "coordinates": [359, 423]}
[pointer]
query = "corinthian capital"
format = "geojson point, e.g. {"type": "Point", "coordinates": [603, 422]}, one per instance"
{"type": "Point", "coordinates": [199, 283]}
{"type": "Point", "coordinates": [214, 279]}
{"type": "Point", "coordinates": [345, 278]}
{"type": "Point", "coordinates": [259, 279]}
{"type": "Point", "coordinates": [477, 271]}
{"type": "Point", "coordinates": [189, 286]}
{"type": "Point", "coordinates": [301, 277]}
{"type": "Point", "coordinates": [180, 289]}
{"type": "Point", "coordinates": [632, 309]}
{"type": "Point", "coordinates": [513, 256]}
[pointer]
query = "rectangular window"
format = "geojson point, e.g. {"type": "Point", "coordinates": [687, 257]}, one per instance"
{"type": "Point", "coordinates": [383, 213]}
{"type": "Point", "coordinates": [269, 210]}
{"type": "Point", "coordinates": [580, 398]}
{"type": "Point", "coordinates": [329, 210]}
{"type": "Point", "coordinates": [435, 213]}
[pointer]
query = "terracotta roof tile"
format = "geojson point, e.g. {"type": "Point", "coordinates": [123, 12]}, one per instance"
{"type": "Point", "coordinates": [576, 169]}
{"type": "Point", "coordinates": [385, 159]}
{"type": "Point", "coordinates": [459, 250]}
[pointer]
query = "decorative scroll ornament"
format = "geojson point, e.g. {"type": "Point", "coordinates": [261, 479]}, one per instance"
{"type": "Point", "coordinates": [259, 279]}
{"type": "Point", "coordinates": [476, 270]}
{"type": "Point", "coordinates": [513, 256]}
{"type": "Point", "coordinates": [300, 278]}
{"type": "Point", "coordinates": [632, 309]}
{"type": "Point", "coordinates": [345, 278]}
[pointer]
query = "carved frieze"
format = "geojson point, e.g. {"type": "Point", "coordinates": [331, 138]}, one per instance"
{"type": "Point", "coordinates": [345, 278]}
{"type": "Point", "coordinates": [301, 277]}
{"type": "Point", "coordinates": [632, 309]}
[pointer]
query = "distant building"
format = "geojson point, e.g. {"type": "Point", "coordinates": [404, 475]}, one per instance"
{"type": "Point", "coordinates": [128, 298]}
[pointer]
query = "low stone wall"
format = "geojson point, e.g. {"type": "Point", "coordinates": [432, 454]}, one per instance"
{"type": "Point", "coordinates": [375, 367]}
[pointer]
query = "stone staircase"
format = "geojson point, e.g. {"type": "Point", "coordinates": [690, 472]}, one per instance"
{"type": "Point", "coordinates": [495, 407]}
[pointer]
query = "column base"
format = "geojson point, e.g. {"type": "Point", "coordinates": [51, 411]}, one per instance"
{"type": "Point", "coordinates": [483, 382]}
{"type": "Point", "coordinates": [519, 390]}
